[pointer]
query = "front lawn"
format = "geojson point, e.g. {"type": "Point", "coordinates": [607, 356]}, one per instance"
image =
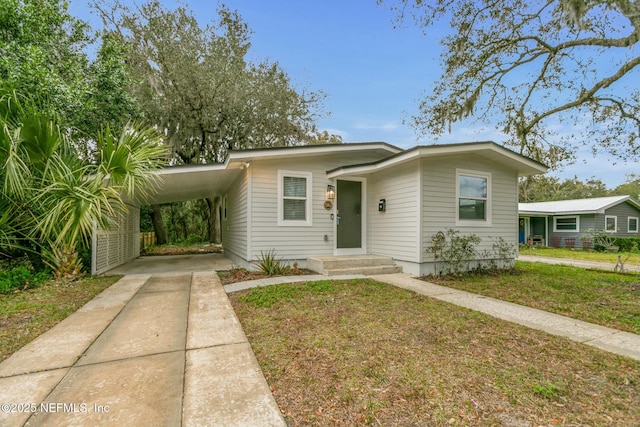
{"type": "Point", "coordinates": [24, 315]}
{"type": "Point", "coordinates": [579, 254]}
{"type": "Point", "coordinates": [367, 353]}
{"type": "Point", "coordinates": [606, 298]}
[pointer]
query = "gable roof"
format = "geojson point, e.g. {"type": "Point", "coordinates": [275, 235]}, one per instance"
{"type": "Point", "coordinates": [575, 207]}
{"type": "Point", "coordinates": [487, 149]}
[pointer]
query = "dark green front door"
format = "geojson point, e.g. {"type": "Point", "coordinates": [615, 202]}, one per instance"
{"type": "Point", "coordinates": [349, 225]}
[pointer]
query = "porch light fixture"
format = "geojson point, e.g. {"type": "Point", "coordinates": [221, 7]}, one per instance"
{"type": "Point", "coordinates": [331, 192]}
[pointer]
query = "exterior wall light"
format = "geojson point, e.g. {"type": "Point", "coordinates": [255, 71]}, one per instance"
{"type": "Point", "coordinates": [331, 192]}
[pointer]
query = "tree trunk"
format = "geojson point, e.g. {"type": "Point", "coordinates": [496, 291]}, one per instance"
{"type": "Point", "coordinates": [214, 219]}
{"type": "Point", "coordinates": [158, 225]}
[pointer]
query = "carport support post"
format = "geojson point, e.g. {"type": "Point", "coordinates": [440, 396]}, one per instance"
{"type": "Point", "coordinates": [214, 218]}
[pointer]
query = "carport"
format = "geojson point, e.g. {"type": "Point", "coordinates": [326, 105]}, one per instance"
{"type": "Point", "coordinates": [113, 247]}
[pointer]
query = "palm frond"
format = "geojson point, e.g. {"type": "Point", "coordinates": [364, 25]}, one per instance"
{"type": "Point", "coordinates": [130, 161]}
{"type": "Point", "coordinates": [74, 203]}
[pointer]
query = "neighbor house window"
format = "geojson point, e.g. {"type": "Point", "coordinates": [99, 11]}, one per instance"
{"type": "Point", "coordinates": [566, 223]}
{"type": "Point", "coordinates": [473, 198]}
{"type": "Point", "coordinates": [632, 224]}
{"type": "Point", "coordinates": [294, 198]}
{"type": "Point", "coordinates": [611, 224]}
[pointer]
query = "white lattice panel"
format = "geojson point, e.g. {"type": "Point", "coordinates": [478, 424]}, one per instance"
{"type": "Point", "coordinates": [119, 244]}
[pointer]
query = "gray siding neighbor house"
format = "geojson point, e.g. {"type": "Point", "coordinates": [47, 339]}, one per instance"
{"type": "Point", "coordinates": [566, 223]}
{"type": "Point", "coordinates": [357, 199]}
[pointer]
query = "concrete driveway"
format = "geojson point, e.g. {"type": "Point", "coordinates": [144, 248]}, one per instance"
{"type": "Point", "coordinates": [173, 264]}
{"type": "Point", "coordinates": [160, 347]}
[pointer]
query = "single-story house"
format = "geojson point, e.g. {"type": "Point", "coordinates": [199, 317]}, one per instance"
{"type": "Point", "coordinates": [566, 223]}
{"type": "Point", "coordinates": [353, 199]}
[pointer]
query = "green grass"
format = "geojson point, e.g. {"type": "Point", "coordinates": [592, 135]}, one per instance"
{"type": "Point", "coordinates": [605, 298]}
{"type": "Point", "coordinates": [579, 254]}
{"type": "Point", "coordinates": [366, 353]}
{"type": "Point", "coordinates": [24, 315]}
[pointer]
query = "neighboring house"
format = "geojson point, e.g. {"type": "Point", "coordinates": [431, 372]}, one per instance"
{"type": "Point", "coordinates": [357, 199]}
{"type": "Point", "coordinates": [564, 223]}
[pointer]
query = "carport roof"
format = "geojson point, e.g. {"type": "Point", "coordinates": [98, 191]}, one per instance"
{"type": "Point", "coordinates": [187, 182]}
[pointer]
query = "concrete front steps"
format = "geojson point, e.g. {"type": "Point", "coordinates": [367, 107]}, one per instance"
{"type": "Point", "coordinates": [353, 264]}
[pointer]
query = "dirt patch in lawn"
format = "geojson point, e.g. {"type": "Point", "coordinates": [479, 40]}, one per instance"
{"type": "Point", "coordinates": [366, 353]}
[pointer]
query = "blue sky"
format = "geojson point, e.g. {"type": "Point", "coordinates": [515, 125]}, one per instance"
{"type": "Point", "coordinates": [374, 74]}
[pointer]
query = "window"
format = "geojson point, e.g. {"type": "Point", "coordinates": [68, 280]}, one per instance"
{"type": "Point", "coordinates": [566, 223]}
{"type": "Point", "coordinates": [632, 224]}
{"type": "Point", "coordinates": [224, 207]}
{"type": "Point", "coordinates": [294, 198]}
{"type": "Point", "coordinates": [473, 198]}
{"type": "Point", "coordinates": [611, 224]}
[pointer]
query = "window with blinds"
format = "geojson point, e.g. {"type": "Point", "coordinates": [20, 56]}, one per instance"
{"type": "Point", "coordinates": [294, 198]}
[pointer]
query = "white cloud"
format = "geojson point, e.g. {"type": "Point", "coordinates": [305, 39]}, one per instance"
{"type": "Point", "coordinates": [387, 127]}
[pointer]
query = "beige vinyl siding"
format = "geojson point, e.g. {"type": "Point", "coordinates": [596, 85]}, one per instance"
{"type": "Point", "coordinates": [439, 200]}
{"type": "Point", "coordinates": [234, 226]}
{"type": "Point", "coordinates": [293, 243]}
{"type": "Point", "coordinates": [395, 232]}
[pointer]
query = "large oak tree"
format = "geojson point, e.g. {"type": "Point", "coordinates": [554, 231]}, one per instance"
{"type": "Point", "coordinates": [536, 67]}
{"type": "Point", "coordinates": [196, 83]}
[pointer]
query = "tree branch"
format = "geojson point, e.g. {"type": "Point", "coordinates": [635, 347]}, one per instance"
{"type": "Point", "coordinates": [587, 94]}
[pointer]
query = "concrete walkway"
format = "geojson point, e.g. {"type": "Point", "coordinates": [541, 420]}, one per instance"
{"type": "Point", "coordinates": [612, 340]}
{"type": "Point", "coordinates": [151, 350]}
{"type": "Point", "coordinates": [608, 339]}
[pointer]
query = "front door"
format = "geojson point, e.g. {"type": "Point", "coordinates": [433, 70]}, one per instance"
{"type": "Point", "coordinates": [522, 232]}
{"type": "Point", "coordinates": [349, 215]}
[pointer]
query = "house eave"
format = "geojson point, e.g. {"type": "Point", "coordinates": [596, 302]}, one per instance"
{"type": "Point", "coordinates": [244, 156]}
{"type": "Point", "coordinates": [490, 150]}
{"type": "Point", "coordinates": [187, 182]}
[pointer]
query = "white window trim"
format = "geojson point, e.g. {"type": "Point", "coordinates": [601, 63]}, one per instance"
{"type": "Point", "coordinates": [629, 230]}
{"type": "Point", "coordinates": [474, 223]}
{"type": "Point", "coordinates": [555, 227]}
{"type": "Point", "coordinates": [615, 219]}
{"type": "Point", "coordinates": [308, 222]}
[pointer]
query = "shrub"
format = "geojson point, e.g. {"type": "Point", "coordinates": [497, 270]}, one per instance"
{"type": "Point", "coordinates": [193, 239]}
{"type": "Point", "coordinates": [453, 252]}
{"type": "Point", "coordinates": [270, 265]}
{"type": "Point", "coordinates": [627, 244]}
{"type": "Point", "coordinates": [601, 239]}
{"type": "Point", "coordinates": [19, 275]}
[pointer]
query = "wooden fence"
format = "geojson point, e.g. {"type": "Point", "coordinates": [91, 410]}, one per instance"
{"type": "Point", "coordinates": [147, 239]}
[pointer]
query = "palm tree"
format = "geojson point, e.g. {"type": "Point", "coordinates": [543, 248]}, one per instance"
{"type": "Point", "coordinates": [53, 197]}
